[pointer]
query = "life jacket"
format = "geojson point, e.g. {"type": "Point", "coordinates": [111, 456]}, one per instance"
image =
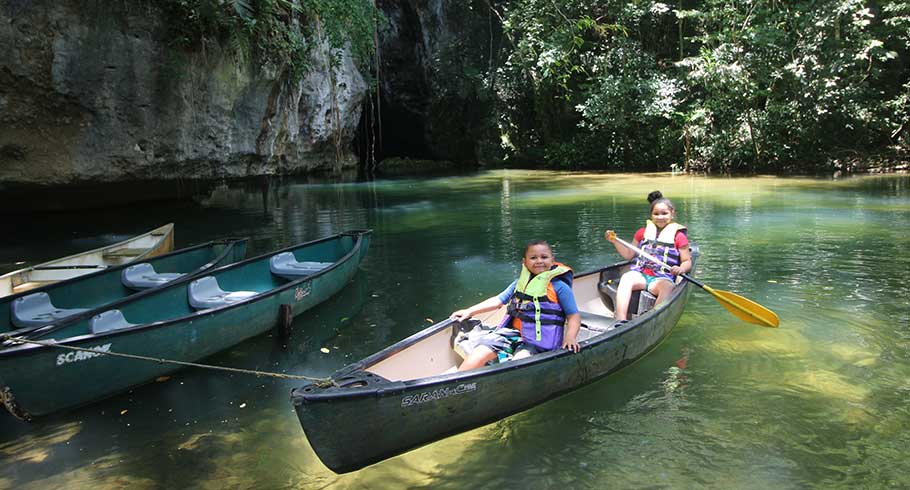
{"type": "Point", "coordinates": [534, 308]}
{"type": "Point", "coordinates": [661, 246]}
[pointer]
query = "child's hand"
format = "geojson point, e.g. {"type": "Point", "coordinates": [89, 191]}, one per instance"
{"type": "Point", "coordinates": [610, 236]}
{"type": "Point", "coordinates": [571, 344]}
{"type": "Point", "coordinates": [460, 315]}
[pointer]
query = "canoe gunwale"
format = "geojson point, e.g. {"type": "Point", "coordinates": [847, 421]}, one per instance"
{"type": "Point", "coordinates": [30, 348]}
{"type": "Point", "coordinates": [389, 387]}
{"type": "Point", "coordinates": [229, 244]}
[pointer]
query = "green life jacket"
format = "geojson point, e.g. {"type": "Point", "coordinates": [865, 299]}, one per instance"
{"type": "Point", "coordinates": [537, 311]}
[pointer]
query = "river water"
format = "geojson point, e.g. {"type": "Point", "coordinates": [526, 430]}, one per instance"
{"type": "Point", "coordinates": [822, 402]}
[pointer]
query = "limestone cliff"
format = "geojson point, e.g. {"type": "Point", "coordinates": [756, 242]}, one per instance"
{"type": "Point", "coordinates": [95, 91]}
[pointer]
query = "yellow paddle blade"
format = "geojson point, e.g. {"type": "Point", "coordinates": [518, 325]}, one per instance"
{"type": "Point", "coordinates": [745, 309]}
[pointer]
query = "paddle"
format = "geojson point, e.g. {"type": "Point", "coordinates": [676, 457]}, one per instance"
{"type": "Point", "coordinates": [744, 309]}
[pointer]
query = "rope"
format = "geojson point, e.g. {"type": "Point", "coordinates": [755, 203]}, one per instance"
{"type": "Point", "coordinates": [321, 382]}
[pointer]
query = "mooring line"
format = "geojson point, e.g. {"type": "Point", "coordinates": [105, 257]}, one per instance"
{"type": "Point", "coordinates": [20, 340]}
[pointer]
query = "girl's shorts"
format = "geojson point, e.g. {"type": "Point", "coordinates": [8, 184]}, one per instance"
{"type": "Point", "coordinates": [649, 280]}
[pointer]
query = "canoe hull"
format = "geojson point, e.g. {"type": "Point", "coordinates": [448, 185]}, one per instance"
{"type": "Point", "coordinates": [92, 291]}
{"type": "Point", "coordinates": [151, 244]}
{"type": "Point", "coordinates": [399, 416]}
{"type": "Point", "coordinates": [39, 380]}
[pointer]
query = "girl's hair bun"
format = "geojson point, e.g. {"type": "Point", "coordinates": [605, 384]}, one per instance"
{"type": "Point", "coordinates": [653, 196]}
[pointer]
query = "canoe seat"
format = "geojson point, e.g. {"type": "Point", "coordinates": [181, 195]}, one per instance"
{"type": "Point", "coordinates": [205, 293]}
{"type": "Point", "coordinates": [639, 303]}
{"type": "Point", "coordinates": [585, 333]}
{"type": "Point", "coordinates": [285, 265]}
{"type": "Point", "coordinates": [107, 321]}
{"type": "Point", "coordinates": [124, 252]}
{"type": "Point", "coordinates": [143, 276]}
{"type": "Point", "coordinates": [595, 322]}
{"type": "Point", "coordinates": [36, 309]}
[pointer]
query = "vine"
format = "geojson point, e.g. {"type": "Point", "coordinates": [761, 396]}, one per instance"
{"type": "Point", "coordinates": [279, 34]}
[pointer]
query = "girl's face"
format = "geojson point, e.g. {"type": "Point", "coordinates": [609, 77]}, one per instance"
{"type": "Point", "coordinates": [661, 214]}
{"type": "Point", "coordinates": [538, 258]}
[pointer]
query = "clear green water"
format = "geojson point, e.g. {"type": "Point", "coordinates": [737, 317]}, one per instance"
{"type": "Point", "coordinates": [821, 402]}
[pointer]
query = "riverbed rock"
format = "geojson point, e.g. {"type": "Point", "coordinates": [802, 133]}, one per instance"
{"type": "Point", "coordinates": [97, 92]}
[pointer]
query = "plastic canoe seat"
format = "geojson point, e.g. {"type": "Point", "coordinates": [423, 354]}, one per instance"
{"type": "Point", "coordinates": [143, 276]}
{"type": "Point", "coordinates": [205, 293]}
{"type": "Point", "coordinates": [285, 265]}
{"type": "Point", "coordinates": [107, 321]}
{"type": "Point", "coordinates": [36, 309]}
{"type": "Point", "coordinates": [597, 323]}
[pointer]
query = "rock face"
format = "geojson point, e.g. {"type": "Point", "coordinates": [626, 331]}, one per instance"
{"type": "Point", "coordinates": [434, 58]}
{"type": "Point", "coordinates": [93, 91]}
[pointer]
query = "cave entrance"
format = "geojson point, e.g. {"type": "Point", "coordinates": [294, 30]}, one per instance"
{"type": "Point", "coordinates": [389, 131]}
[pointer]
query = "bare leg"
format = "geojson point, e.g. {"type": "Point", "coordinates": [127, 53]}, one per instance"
{"type": "Point", "coordinates": [521, 354]}
{"type": "Point", "coordinates": [631, 281]}
{"type": "Point", "coordinates": [662, 290]}
{"type": "Point", "coordinates": [478, 357]}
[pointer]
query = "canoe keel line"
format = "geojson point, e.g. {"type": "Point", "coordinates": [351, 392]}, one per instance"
{"type": "Point", "coordinates": [412, 386]}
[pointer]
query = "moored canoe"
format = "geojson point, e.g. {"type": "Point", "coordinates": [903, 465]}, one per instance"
{"type": "Point", "coordinates": [408, 394]}
{"type": "Point", "coordinates": [81, 295]}
{"type": "Point", "coordinates": [232, 303]}
{"type": "Point", "coordinates": [150, 244]}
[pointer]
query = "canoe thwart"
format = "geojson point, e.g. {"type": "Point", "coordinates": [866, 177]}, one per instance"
{"type": "Point", "coordinates": [35, 310]}
{"type": "Point", "coordinates": [205, 293]}
{"type": "Point", "coordinates": [107, 321]}
{"type": "Point", "coordinates": [143, 276]}
{"type": "Point", "coordinates": [286, 265]}
{"type": "Point", "coordinates": [125, 252]}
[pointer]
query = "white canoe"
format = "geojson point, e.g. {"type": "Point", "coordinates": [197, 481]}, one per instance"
{"type": "Point", "coordinates": [156, 242]}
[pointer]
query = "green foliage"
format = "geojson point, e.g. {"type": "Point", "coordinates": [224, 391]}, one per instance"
{"type": "Point", "coordinates": [279, 34]}
{"type": "Point", "coordinates": [709, 84]}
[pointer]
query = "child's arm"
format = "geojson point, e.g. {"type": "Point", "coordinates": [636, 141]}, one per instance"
{"type": "Point", "coordinates": [685, 262]}
{"type": "Point", "coordinates": [566, 298]}
{"type": "Point", "coordinates": [569, 338]}
{"type": "Point", "coordinates": [685, 255]}
{"type": "Point", "coordinates": [484, 306]}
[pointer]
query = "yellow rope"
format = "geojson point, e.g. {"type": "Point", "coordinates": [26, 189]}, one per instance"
{"type": "Point", "coordinates": [319, 381]}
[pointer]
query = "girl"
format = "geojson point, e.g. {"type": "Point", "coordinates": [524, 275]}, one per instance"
{"type": "Point", "coordinates": [542, 313]}
{"type": "Point", "coordinates": [662, 238]}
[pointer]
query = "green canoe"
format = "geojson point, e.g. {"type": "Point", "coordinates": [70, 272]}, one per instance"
{"type": "Point", "coordinates": [409, 394]}
{"type": "Point", "coordinates": [186, 320]}
{"type": "Point", "coordinates": [81, 295]}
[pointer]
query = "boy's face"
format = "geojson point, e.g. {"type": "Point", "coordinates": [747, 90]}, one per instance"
{"type": "Point", "coordinates": [538, 258]}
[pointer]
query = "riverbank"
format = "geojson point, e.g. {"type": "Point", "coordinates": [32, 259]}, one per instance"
{"type": "Point", "coordinates": [30, 198]}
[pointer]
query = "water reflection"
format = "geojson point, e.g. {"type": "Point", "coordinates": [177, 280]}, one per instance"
{"type": "Point", "coordinates": [820, 402]}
